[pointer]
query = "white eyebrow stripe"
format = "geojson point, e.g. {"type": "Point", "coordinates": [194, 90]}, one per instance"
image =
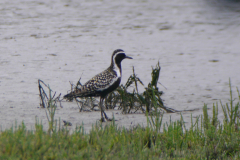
{"type": "Point", "coordinates": [120, 52]}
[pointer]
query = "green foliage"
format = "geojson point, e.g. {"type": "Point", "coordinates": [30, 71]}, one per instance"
{"type": "Point", "coordinates": [231, 111]}
{"type": "Point", "coordinates": [206, 138]}
{"type": "Point", "coordinates": [129, 99]}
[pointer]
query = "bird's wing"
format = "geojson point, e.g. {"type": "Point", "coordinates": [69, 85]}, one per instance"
{"type": "Point", "coordinates": [95, 85]}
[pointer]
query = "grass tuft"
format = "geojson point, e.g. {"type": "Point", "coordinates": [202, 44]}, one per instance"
{"type": "Point", "coordinates": [207, 138]}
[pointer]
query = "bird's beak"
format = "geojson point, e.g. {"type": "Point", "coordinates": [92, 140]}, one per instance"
{"type": "Point", "coordinates": [128, 57]}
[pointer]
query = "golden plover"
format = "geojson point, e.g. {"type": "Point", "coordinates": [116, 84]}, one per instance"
{"type": "Point", "coordinates": [103, 83]}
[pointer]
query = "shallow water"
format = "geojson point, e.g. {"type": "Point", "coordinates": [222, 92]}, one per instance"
{"type": "Point", "coordinates": [59, 41]}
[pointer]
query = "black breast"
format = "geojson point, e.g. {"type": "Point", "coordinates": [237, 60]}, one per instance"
{"type": "Point", "coordinates": [110, 88]}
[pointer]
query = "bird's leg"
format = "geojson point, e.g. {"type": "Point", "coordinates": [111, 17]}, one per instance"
{"type": "Point", "coordinates": [103, 114]}
{"type": "Point", "coordinates": [108, 119]}
{"type": "Point", "coordinates": [102, 111]}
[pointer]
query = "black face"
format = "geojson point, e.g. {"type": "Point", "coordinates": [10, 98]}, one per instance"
{"type": "Point", "coordinates": [120, 56]}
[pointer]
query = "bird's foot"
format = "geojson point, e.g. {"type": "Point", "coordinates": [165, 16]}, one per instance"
{"type": "Point", "coordinates": [106, 119]}
{"type": "Point", "coordinates": [109, 119]}
{"type": "Point", "coordinates": [102, 120]}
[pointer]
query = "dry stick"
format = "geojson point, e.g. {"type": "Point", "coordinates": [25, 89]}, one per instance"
{"type": "Point", "coordinates": [81, 103]}
{"type": "Point", "coordinates": [79, 83]}
{"type": "Point", "coordinates": [58, 99]}
{"type": "Point", "coordinates": [44, 84]}
{"type": "Point", "coordinates": [41, 91]}
{"type": "Point", "coordinates": [43, 94]}
{"type": "Point", "coordinates": [41, 97]}
{"type": "Point", "coordinates": [187, 110]}
{"type": "Point", "coordinates": [162, 85]}
{"type": "Point", "coordinates": [170, 110]}
{"type": "Point", "coordinates": [91, 99]}
{"type": "Point", "coordinates": [80, 108]}
{"type": "Point", "coordinates": [53, 94]}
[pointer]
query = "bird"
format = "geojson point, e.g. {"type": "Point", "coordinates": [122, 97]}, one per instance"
{"type": "Point", "coordinates": [103, 83]}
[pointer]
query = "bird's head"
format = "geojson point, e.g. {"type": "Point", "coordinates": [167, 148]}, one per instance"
{"type": "Point", "coordinates": [117, 57]}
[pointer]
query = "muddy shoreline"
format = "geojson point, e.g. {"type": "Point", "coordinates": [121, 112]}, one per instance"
{"type": "Point", "coordinates": [196, 42]}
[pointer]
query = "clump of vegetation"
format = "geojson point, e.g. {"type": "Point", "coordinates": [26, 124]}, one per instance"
{"type": "Point", "coordinates": [127, 97]}
{"type": "Point", "coordinates": [49, 102]}
{"type": "Point", "coordinates": [84, 103]}
{"type": "Point", "coordinates": [134, 101]}
{"type": "Point", "coordinates": [206, 138]}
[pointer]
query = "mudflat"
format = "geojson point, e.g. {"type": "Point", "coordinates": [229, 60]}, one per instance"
{"type": "Point", "coordinates": [196, 42]}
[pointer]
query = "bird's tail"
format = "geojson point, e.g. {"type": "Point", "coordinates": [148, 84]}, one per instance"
{"type": "Point", "coordinates": [69, 96]}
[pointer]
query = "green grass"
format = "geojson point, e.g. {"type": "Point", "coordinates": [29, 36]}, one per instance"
{"type": "Point", "coordinates": [206, 138]}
